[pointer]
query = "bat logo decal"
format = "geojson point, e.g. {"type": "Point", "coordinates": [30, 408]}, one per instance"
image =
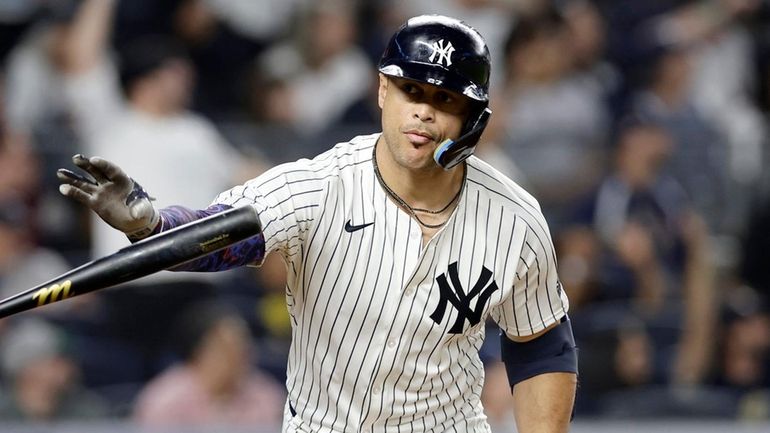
{"type": "Point", "coordinates": [50, 294]}
{"type": "Point", "coordinates": [215, 243]}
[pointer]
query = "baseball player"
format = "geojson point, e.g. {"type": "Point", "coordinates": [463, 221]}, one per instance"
{"type": "Point", "coordinates": [398, 245]}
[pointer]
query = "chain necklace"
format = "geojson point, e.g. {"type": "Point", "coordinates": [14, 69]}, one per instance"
{"type": "Point", "coordinates": [413, 210]}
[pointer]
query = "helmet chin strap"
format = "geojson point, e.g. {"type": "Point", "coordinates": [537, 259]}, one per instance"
{"type": "Point", "coordinates": [452, 152]}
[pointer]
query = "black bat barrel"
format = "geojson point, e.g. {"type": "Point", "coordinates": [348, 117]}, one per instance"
{"type": "Point", "coordinates": [156, 253]}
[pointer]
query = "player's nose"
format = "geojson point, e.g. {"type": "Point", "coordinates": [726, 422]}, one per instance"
{"type": "Point", "coordinates": [423, 111]}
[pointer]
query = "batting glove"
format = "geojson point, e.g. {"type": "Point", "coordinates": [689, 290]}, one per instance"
{"type": "Point", "coordinates": [119, 200]}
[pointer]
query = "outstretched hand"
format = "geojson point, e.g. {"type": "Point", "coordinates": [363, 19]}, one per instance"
{"type": "Point", "coordinates": [116, 198]}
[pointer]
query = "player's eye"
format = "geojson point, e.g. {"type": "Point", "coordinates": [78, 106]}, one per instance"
{"type": "Point", "coordinates": [444, 98]}
{"type": "Point", "coordinates": [410, 88]}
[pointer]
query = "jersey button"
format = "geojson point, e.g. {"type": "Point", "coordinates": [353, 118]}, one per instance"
{"type": "Point", "coordinates": [392, 343]}
{"type": "Point", "coordinates": [376, 390]}
{"type": "Point", "coordinates": [409, 292]}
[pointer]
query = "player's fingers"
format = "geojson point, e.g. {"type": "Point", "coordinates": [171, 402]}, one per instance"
{"type": "Point", "coordinates": [84, 163]}
{"type": "Point", "coordinates": [76, 180]}
{"type": "Point", "coordinates": [110, 170]}
{"type": "Point", "coordinates": [64, 173]}
{"type": "Point", "coordinates": [75, 193]}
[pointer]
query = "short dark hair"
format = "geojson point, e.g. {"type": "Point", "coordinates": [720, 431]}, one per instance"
{"type": "Point", "coordinates": [145, 55]}
{"type": "Point", "coordinates": [194, 323]}
{"type": "Point", "coordinates": [630, 122]}
{"type": "Point", "coordinates": [528, 28]}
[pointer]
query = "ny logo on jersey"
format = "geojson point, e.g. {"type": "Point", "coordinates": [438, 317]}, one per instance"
{"type": "Point", "coordinates": [462, 301]}
{"type": "Point", "coordinates": [444, 52]}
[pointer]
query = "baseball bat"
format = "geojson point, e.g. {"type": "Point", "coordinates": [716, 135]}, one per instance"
{"type": "Point", "coordinates": [156, 253]}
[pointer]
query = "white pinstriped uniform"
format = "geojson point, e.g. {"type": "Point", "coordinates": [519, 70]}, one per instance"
{"type": "Point", "coordinates": [366, 354]}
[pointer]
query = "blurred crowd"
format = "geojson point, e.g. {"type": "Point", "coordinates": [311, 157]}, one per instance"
{"type": "Point", "coordinates": [641, 127]}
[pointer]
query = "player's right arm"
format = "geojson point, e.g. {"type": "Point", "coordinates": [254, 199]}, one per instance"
{"type": "Point", "coordinates": [286, 198]}
{"type": "Point", "coordinates": [123, 204]}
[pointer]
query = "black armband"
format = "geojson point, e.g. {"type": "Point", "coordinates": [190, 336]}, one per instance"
{"type": "Point", "coordinates": [555, 351]}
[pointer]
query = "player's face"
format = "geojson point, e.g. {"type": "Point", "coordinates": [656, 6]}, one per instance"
{"type": "Point", "coordinates": [416, 118]}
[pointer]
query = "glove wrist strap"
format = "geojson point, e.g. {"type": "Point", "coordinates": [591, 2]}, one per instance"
{"type": "Point", "coordinates": [138, 193]}
{"type": "Point", "coordinates": [147, 230]}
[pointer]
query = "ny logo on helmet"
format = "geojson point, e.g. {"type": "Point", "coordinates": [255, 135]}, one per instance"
{"type": "Point", "coordinates": [444, 52]}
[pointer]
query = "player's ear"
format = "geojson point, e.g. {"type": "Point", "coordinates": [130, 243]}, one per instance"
{"type": "Point", "coordinates": [382, 90]}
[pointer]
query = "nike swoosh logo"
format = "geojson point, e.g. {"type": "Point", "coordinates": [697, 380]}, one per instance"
{"type": "Point", "coordinates": [350, 228]}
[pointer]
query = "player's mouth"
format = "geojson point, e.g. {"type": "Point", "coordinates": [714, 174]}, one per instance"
{"type": "Point", "coordinates": [418, 137]}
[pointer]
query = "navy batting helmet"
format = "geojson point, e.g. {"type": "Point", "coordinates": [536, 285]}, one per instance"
{"type": "Point", "coordinates": [447, 53]}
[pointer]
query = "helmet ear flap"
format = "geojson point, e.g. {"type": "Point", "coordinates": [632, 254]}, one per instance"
{"type": "Point", "coordinates": [478, 117]}
{"type": "Point", "coordinates": [452, 152]}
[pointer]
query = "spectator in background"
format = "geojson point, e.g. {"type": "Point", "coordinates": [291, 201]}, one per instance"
{"type": "Point", "coordinates": [151, 129]}
{"type": "Point", "coordinates": [223, 37]}
{"type": "Point", "coordinates": [744, 359]}
{"type": "Point", "coordinates": [34, 85]}
{"type": "Point", "coordinates": [23, 264]}
{"type": "Point", "coordinates": [692, 62]}
{"type": "Point", "coordinates": [726, 97]}
{"type": "Point", "coordinates": [587, 35]}
{"type": "Point", "coordinates": [256, 19]}
{"type": "Point", "coordinates": [547, 118]}
{"type": "Point", "coordinates": [259, 296]}
{"type": "Point", "coordinates": [492, 18]}
{"type": "Point", "coordinates": [37, 126]}
{"type": "Point", "coordinates": [637, 264]}
{"type": "Point", "coordinates": [137, 112]}
{"type": "Point", "coordinates": [717, 32]}
{"type": "Point", "coordinates": [698, 156]}
{"type": "Point", "coordinates": [19, 166]}
{"type": "Point", "coordinates": [215, 382]}
{"type": "Point", "coordinates": [43, 377]}
{"type": "Point", "coordinates": [308, 84]}
{"type": "Point", "coordinates": [755, 243]}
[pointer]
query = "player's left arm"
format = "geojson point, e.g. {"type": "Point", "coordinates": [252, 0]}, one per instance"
{"type": "Point", "coordinates": [537, 344]}
{"type": "Point", "coordinates": [542, 372]}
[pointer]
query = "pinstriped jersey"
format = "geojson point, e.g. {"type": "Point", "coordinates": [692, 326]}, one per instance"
{"type": "Point", "coordinates": [385, 329]}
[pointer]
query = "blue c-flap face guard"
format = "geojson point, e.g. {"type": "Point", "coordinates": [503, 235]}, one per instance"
{"type": "Point", "coordinates": [452, 152]}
